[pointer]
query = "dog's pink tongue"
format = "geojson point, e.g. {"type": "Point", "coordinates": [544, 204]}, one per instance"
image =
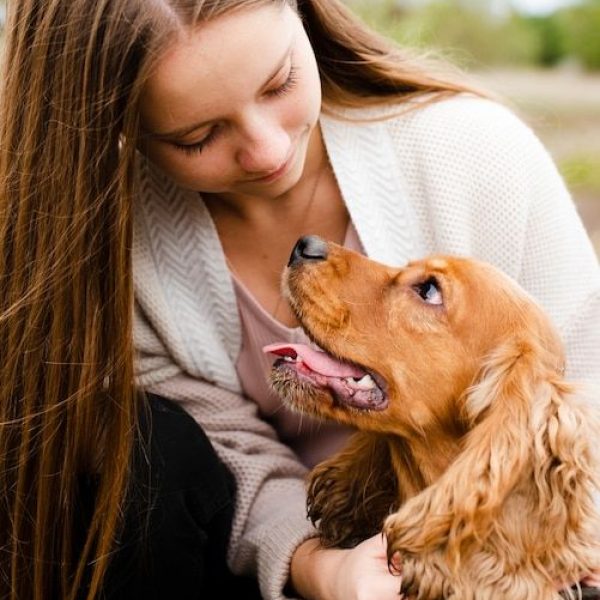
{"type": "Point", "coordinates": [316, 360]}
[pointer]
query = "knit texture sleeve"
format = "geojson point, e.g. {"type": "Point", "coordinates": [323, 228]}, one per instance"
{"type": "Point", "coordinates": [481, 184]}
{"type": "Point", "coordinates": [270, 517]}
{"type": "Point", "coordinates": [558, 264]}
{"type": "Point", "coordinates": [560, 267]}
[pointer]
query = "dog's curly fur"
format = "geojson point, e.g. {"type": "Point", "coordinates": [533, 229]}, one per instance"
{"type": "Point", "coordinates": [481, 468]}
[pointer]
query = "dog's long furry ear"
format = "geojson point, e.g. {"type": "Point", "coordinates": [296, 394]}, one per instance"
{"type": "Point", "coordinates": [527, 434]}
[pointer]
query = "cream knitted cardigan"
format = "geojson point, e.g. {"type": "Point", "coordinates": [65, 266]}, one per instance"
{"type": "Point", "coordinates": [461, 176]}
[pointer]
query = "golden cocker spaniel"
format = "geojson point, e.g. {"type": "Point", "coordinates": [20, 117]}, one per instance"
{"type": "Point", "coordinates": [473, 453]}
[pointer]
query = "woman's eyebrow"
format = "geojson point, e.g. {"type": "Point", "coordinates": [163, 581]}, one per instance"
{"type": "Point", "coordinates": [187, 129]}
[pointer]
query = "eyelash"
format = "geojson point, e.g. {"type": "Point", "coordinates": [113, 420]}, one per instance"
{"type": "Point", "coordinates": [197, 148]}
{"type": "Point", "coordinates": [288, 85]}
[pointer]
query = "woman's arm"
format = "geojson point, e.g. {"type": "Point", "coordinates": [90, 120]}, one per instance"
{"type": "Point", "coordinates": [270, 518]}
{"type": "Point", "coordinates": [560, 268]}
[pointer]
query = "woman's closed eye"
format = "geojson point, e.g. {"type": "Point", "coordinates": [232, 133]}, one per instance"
{"type": "Point", "coordinates": [288, 85]}
{"type": "Point", "coordinates": [281, 90]}
{"type": "Point", "coordinates": [197, 147]}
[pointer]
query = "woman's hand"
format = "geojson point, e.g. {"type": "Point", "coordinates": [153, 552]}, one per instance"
{"type": "Point", "coordinates": [360, 573]}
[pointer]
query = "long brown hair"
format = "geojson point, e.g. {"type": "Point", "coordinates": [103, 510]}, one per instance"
{"type": "Point", "coordinates": [359, 67]}
{"type": "Point", "coordinates": [72, 76]}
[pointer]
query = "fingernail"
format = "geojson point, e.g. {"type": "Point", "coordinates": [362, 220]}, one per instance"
{"type": "Point", "coordinates": [395, 564]}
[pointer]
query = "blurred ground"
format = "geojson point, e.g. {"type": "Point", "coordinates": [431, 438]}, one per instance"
{"type": "Point", "coordinates": [563, 107]}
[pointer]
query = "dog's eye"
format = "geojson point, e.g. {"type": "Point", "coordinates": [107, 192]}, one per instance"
{"type": "Point", "coordinates": [429, 291]}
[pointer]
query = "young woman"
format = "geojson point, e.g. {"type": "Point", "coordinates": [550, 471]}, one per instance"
{"type": "Point", "coordinates": [159, 159]}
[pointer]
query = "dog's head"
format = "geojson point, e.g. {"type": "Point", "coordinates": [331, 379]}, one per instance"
{"type": "Point", "coordinates": [401, 345]}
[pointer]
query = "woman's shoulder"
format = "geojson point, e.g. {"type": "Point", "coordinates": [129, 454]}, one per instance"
{"type": "Point", "coordinates": [468, 115]}
{"type": "Point", "coordinates": [463, 136]}
{"type": "Point", "coordinates": [461, 121]}
{"type": "Point", "coordinates": [469, 133]}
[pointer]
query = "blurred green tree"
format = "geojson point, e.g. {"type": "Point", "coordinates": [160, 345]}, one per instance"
{"type": "Point", "coordinates": [581, 27]}
{"type": "Point", "coordinates": [551, 38]}
{"type": "Point", "coordinates": [475, 33]}
{"type": "Point", "coordinates": [465, 31]}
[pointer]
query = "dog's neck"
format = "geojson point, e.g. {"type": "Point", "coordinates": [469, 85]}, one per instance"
{"type": "Point", "coordinates": [421, 461]}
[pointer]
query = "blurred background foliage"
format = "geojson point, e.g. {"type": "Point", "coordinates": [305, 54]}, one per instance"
{"type": "Point", "coordinates": [546, 65]}
{"type": "Point", "coordinates": [489, 32]}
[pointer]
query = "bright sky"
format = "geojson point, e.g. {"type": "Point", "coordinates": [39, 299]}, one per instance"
{"type": "Point", "coordinates": [540, 6]}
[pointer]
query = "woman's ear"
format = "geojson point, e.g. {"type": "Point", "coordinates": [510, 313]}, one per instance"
{"type": "Point", "coordinates": [350, 494]}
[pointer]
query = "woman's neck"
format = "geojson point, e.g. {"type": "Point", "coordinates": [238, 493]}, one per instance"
{"type": "Point", "coordinates": [258, 234]}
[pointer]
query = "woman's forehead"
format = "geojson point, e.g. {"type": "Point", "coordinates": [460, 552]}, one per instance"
{"type": "Point", "coordinates": [208, 69]}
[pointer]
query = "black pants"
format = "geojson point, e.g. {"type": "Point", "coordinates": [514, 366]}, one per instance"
{"type": "Point", "coordinates": [178, 517]}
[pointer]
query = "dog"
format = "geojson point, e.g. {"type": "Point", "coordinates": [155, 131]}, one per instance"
{"type": "Point", "coordinates": [472, 453]}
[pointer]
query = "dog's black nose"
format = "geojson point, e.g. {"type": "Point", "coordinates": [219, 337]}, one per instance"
{"type": "Point", "coordinates": [309, 247]}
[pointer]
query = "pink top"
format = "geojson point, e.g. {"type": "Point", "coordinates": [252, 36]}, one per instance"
{"type": "Point", "coordinates": [312, 440]}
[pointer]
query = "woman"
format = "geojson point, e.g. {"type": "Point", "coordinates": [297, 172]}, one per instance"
{"type": "Point", "coordinates": [179, 148]}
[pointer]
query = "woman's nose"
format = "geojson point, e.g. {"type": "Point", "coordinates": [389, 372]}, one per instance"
{"type": "Point", "coordinates": [264, 148]}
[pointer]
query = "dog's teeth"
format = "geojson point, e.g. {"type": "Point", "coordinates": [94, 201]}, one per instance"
{"type": "Point", "coordinates": [289, 359]}
{"type": "Point", "coordinates": [366, 383]}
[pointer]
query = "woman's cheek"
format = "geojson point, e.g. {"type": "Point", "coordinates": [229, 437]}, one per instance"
{"type": "Point", "coordinates": [191, 171]}
{"type": "Point", "coordinates": [188, 173]}
{"type": "Point", "coordinates": [211, 172]}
